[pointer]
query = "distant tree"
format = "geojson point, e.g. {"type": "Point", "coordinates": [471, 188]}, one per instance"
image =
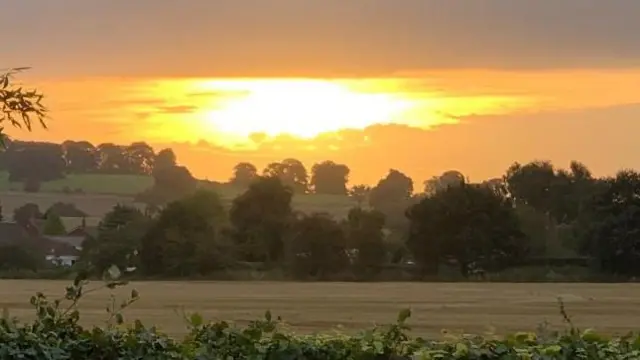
{"type": "Point", "coordinates": [187, 238]}
{"type": "Point", "coordinates": [244, 173]}
{"type": "Point", "coordinates": [140, 158]}
{"type": "Point", "coordinates": [364, 231]}
{"type": "Point", "coordinates": [291, 172]}
{"type": "Point", "coordinates": [612, 224]}
{"type": "Point", "coordinates": [360, 193]}
{"type": "Point", "coordinates": [395, 187]}
{"type": "Point", "coordinates": [261, 217]}
{"type": "Point", "coordinates": [318, 247]}
{"type": "Point", "coordinates": [439, 183]}
{"type": "Point", "coordinates": [80, 156]}
{"type": "Point", "coordinates": [20, 106]}
{"type": "Point", "coordinates": [65, 210]}
{"type": "Point", "coordinates": [117, 241]}
{"type": "Point", "coordinates": [330, 178]}
{"type": "Point", "coordinates": [165, 159]}
{"type": "Point", "coordinates": [468, 223]}
{"type": "Point", "coordinates": [26, 213]}
{"type": "Point", "coordinates": [20, 257]}
{"type": "Point", "coordinates": [53, 225]}
{"type": "Point", "coordinates": [35, 161]}
{"type": "Point", "coordinates": [112, 159]}
{"type": "Point", "coordinates": [169, 184]}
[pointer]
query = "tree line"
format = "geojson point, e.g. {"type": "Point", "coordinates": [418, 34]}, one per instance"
{"type": "Point", "coordinates": [534, 211]}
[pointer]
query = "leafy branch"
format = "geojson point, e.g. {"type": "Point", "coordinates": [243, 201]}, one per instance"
{"type": "Point", "coordinates": [18, 106]}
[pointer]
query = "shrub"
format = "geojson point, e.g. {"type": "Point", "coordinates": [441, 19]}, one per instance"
{"type": "Point", "coordinates": [56, 334]}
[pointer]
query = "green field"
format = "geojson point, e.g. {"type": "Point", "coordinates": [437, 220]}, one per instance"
{"type": "Point", "coordinates": [101, 192]}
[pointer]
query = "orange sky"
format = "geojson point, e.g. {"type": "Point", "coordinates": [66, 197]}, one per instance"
{"type": "Point", "coordinates": [479, 88]}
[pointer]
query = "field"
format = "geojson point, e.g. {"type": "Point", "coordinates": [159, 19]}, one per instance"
{"type": "Point", "coordinates": [102, 192]}
{"type": "Point", "coordinates": [310, 307]}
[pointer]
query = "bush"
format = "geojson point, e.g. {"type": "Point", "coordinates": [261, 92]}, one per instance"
{"type": "Point", "coordinates": [56, 334]}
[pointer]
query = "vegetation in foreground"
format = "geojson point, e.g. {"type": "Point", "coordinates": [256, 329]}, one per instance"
{"type": "Point", "coordinates": [56, 334]}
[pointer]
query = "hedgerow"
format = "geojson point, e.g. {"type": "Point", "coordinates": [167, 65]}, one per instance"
{"type": "Point", "coordinates": [56, 334]}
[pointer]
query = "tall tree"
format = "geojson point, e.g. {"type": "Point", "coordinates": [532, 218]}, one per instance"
{"type": "Point", "coordinates": [360, 193]}
{"type": "Point", "coordinates": [395, 187]}
{"type": "Point", "coordinates": [330, 178]}
{"type": "Point", "coordinates": [140, 158]}
{"type": "Point", "coordinates": [318, 247]}
{"type": "Point", "coordinates": [112, 159]}
{"type": "Point", "coordinates": [612, 225]}
{"type": "Point", "coordinates": [468, 223]}
{"type": "Point", "coordinates": [447, 179]}
{"type": "Point", "coordinates": [117, 241]}
{"type": "Point", "coordinates": [165, 159]}
{"type": "Point", "coordinates": [261, 217]}
{"type": "Point", "coordinates": [364, 231]}
{"type": "Point", "coordinates": [291, 172]}
{"type": "Point", "coordinates": [187, 238]}
{"type": "Point", "coordinates": [244, 173]}
{"type": "Point", "coordinates": [80, 156]}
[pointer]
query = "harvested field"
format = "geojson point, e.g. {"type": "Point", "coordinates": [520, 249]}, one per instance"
{"type": "Point", "coordinates": [309, 307]}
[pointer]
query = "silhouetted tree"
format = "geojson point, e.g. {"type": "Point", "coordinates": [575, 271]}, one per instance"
{"type": "Point", "coordinates": [187, 238]}
{"type": "Point", "coordinates": [360, 193]}
{"type": "Point", "coordinates": [140, 158]}
{"type": "Point", "coordinates": [20, 106]}
{"type": "Point", "coordinates": [80, 156]}
{"type": "Point", "coordinates": [117, 241]}
{"type": "Point", "coordinates": [468, 223]}
{"type": "Point", "coordinates": [395, 187]}
{"type": "Point", "coordinates": [439, 183]}
{"type": "Point", "coordinates": [26, 213]}
{"type": "Point", "coordinates": [244, 173]}
{"type": "Point", "coordinates": [318, 247]}
{"type": "Point", "coordinates": [330, 178]}
{"type": "Point", "coordinates": [291, 172]}
{"type": "Point", "coordinates": [165, 159]}
{"type": "Point", "coordinates": [261, 217]}
{"type": "Point", "coordinates": [365, 234]}
{"type": "Point", "coordinates": [612, 225]}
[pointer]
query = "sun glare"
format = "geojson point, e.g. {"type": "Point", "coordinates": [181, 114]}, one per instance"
{"type": "Point", "coordinates": [299, 108]}
{"type": "Point", "coordinates": [228, 111]}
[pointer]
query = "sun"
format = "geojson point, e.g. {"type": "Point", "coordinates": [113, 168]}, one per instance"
{"type": "Point", "coordinates": [301, 108]}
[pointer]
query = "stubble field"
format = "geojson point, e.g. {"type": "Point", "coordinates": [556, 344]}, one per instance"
{"type": "Point", "coordinates": [310, 307]}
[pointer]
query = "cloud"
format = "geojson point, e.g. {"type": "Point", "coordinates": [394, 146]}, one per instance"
{"type": "Point", "coordinates": [318, 38]}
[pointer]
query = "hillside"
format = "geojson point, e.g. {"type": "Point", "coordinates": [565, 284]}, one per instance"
{"type": "Point", "coordinates": [101, 192]}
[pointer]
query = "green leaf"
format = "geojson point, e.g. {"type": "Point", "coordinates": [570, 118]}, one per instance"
{"type": "Point", "coordinates": [267, 315]}
{"type": "Point", "coordinates": [119, 319]}
{"type": "Point", "coordinates": [196, 320]}
{"type": "Point", "coordinates": [134, 294]}
{"type": "Point", "coordinates": [404, 315]}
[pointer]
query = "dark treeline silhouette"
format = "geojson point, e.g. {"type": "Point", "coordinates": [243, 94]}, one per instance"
{"type": "Point", "coordinates": [536, 216]}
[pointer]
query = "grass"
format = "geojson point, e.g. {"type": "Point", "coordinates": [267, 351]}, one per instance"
{"type": "Point", "coordinates": [102, 192]}
{"type": "Point", "coordinates": [311, 307]}
{"type": "Point", "coordinates": [127, 185]}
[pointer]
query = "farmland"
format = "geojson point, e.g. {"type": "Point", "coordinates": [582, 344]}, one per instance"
{"type": "Point", "coordinates": [101, 192]}
{"type": "Point", "coordinates": [311, 307]}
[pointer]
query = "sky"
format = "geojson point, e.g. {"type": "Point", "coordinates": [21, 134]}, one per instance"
{"type": "Point", "coordinates": [422, 86]}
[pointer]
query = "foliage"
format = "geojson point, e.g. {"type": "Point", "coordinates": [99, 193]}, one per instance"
{"type": "Point", "coordinates": [56, 334]}
{"type": "Point", "coordinates": [612, 225]}
{"type": "Point", "coordinates": [26, 213]}
{"type": "Point", "coordinates": [469, 224]}
{"type": "Point", "coordinates": [261, 217]}
{"type": "Point", "coordinates": [19, 107]}
{"type": "Point", "coordinates": [291, 172]}
{"type": "Point", "coordinates": [117, 241]}
{"type": "Point", "coordinates": [53, 225]}
{"type": "Point", "coordinates": [364, 231]}
{"type": "Point", "coordinates": [395, 187]}
{"type": "Point", "coordinates": [318, 247]}
{"type": "Point", "coordinates": [244, 174]}
{"type": "Point", "coordinates": [328, 177]}
{"type": "Point", "coordinates": [65, 210]}
{"type": "Point", "coordinates": [187, 238]}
